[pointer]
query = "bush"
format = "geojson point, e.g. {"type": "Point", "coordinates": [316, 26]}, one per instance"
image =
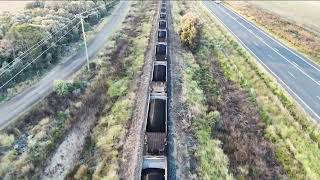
{"type": "Point", "coordinates": [189, 31]}
{"type": "Point", "coordinates": [34, 4]}
{"type": "Point", "coordinates": [6, 140]}
{"type": "Point", "coordinates": [61, 87]}
{"type": "Point", "coordinates": [118, 88]}
{"type": "Point", "coordinates": [81, 172]}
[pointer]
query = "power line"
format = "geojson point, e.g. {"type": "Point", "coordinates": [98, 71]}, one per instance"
{"type": "Point", "coordinates": [76, 16]}
{"type": "Point", "coordinates": [37, 58]}
{"type": "Point", "coordinates": [33, 47]}
{"type": "Point", "coordinates": [12, 63]}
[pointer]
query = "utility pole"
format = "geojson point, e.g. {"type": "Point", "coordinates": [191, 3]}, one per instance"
{"type": "Point", "coordinates": [85, 42]}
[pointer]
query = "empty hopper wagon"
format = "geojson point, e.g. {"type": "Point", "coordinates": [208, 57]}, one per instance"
{"type": "Point", "coordinates": [154, 168]}
{"type": "Point", "coordinates": [162, 24]}
{"type": "Point", "coordinates": [159, 77]}
{"type": "Point", "coordinates": [161, 51]}
{"type": "Point", "coordinates": [163, 16]}
{"type": "Point", "coordinates": [156, 129]}
{"type": "Point", "coordinates": [159, 72]}
{"type": "Point", "coordinates": [162, 35]}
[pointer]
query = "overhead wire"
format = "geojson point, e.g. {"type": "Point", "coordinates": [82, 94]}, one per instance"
{"type": "Point", "coordinates": [76, 16]}
{"type": "Point", "coordinates": [36, 58]}
{"type": "Point", "coordinates": [33, 47]}
{"type": "Point", "coordinates": [12, 63]}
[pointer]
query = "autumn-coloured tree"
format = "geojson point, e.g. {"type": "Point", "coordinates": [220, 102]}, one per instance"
{"type": "Point", "coordinates": [190, 31]}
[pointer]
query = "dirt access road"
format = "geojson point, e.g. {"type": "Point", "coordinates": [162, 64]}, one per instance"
{"type": "Point", "coordinates": [21, 103]}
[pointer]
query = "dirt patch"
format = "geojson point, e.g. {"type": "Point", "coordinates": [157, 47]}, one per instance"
{"type": "Point", "coordinates": [48, 107]}
{"type": "Point", "coordinates": [67, 154]}
{"type": "Point", "coordinates": [241, 131]}
{"type": "Point", "coordinates": [64, 158]}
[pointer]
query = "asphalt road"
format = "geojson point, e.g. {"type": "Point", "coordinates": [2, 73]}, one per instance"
{"type": "Point", "coordinates": [21, 103]}
{"type": "Point", "coordinates": [297, 74]}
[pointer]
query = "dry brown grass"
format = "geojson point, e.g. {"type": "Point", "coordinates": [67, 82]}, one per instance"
{"type": "Point", "coordinates": [301, 12]}
{"type": "Point", "coordinates": [291, 33]}
{"type": "Point", "coordinates": [12, 6]}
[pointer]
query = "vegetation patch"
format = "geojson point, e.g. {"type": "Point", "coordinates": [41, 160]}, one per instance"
{"type": "Point", "coordinates": [189, 31]}
{"type": "Point", "coordinates": [211, 163]}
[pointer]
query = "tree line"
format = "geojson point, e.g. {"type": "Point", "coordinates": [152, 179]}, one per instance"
{"type": "Point", "coordinates": [50, 24]}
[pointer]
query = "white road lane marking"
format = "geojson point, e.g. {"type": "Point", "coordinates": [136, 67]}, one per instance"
{"type": "Point", "coordinates": [277, 52]}
{"type": "Point", "coordinates": [315, 66]}
{"type": "Point", "coordinates": [276, 49]}
{"type": "Point", "coordinates": [255, 43]}
{"type": "Point", "coordinates": [295, 64]}
{"type": "Point", "coordinates": [260, 38]}
{"type": "Point", "coordinates": [291, 75]}
{"type": "Point", "coordinates": [269, 55]}
{"type": "Point", "coordinates": [282, 83]}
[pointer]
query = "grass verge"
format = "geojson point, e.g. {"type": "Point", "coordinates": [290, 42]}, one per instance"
{"type": "Point", "coordinates": [212, 163]}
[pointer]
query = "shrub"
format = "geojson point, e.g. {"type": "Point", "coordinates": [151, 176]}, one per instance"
{"type": "Point", "coordinates": [61, 87]}
{"type": "Point", "coordinates": [189, 31]}
{"type": "Point", "coordinates": [81, 172]}
{"type": "Point", "coordinates": [118, 88]}
{"type": "Point", "coordinates": [35, 4]}
{"type": "Point", "coordinates": [6, 140]}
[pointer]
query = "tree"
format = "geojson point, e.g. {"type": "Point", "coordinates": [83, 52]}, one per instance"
{"type": "Point", "coordinates": [94, 18]}
{"type": "Point", "coordinates": [189, 31]}
{"type": "Point", "coordinates": [35, 4]}
{"type": "Point", "coordinates": [26, 35]}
